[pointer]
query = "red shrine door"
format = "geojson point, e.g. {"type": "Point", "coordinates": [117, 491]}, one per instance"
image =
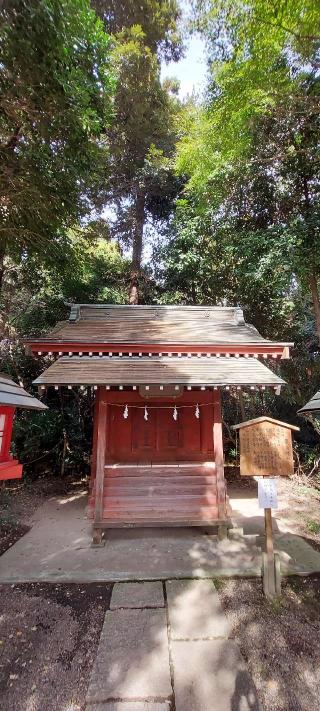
{"type": "Point", "coordinates": [160, 438]}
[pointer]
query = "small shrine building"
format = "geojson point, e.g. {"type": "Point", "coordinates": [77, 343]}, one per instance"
{"type": "Point", "coordinates": [12, 396]}
{"type": "Point", "coordinates": [158, 373]}
{"type": "Point", "coordinates": [312, 407]}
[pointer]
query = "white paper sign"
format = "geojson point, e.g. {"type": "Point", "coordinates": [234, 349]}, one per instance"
{"type": "Point", "coordinates": [267, 493]}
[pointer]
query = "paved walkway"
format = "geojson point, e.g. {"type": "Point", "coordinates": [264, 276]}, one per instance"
{"type": "Point", "coordinates": [58, 549]}
{"type": "Point", "coordinates": [165, 646]}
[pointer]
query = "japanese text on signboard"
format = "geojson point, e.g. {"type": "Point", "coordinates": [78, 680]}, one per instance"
{"type": "Point", "coordinates": [266, 450]}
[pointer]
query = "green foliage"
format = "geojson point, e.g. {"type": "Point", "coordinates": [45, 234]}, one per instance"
{"type": "Point", "coordinates": [158, 20]}
{"type": "Point", "coordinates": [259, 51]}
{"type": "Point", "coordinates": [252, 153]}
{"type": "Point", "coordinates": [247, 231]}
{"type": "Point", "coordinates": [141, 183]}
{"type": "Point", "coordinates": [313, 526]}
{"type": "Point", "coordinates": [87, 269]}
{"type": "Point", "coordinates": [57, 440]}
{"type": "Point", "coordinates": [143, 110]}
{"type": "Point", "coordinates": [56, 98]}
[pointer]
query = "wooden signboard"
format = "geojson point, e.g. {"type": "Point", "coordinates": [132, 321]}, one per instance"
{"type": "Point", "coordinates": [265, 447]}
{"type": "Point", "coordinates": [266, 451]}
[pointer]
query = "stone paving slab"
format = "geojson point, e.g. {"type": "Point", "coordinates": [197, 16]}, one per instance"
{"type": "Point", "coordinates": [133, 658]}
{"type": "Point", "coordinates": [195, 611]}
{"type": "Point", "coordinates": [130, 706]}
{"type": "Point", "coordinates": [296, 555]}
{"type": "Point", "coordinates": [211, 676]}
{"type": "Point", "coordinates": [131, 595]}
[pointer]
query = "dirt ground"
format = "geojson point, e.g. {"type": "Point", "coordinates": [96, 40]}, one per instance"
{"type": "Point", "coordinates": [298, 503]}
{"type": "Point", "coordinates": [280, 641]}
{"type": "Point", "coordinates": [49, 635]}
{"type": "Point", "coordinates": [299, 506]}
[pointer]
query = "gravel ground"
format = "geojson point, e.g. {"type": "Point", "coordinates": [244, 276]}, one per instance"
{"type": "Point", "coordinates": [49, 636]}
{"type": "Point", "coordinates": [280, 641]}
{"type": "Point", "coordinates": [299, 507]}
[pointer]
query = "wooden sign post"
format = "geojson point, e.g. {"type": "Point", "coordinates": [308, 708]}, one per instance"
{"type": "Point", "coordinates": [268, 500]}
{"type": "Point", "coordinates": [266, 452]}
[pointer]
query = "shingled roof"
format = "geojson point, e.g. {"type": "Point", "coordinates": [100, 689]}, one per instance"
{"type": "Point", "coordinates": [207, 325]}
{"type": "Point", "coordinates": [312, 407]}
{"type": "Point", "coordinates": [158, 371]}
{"type": "Point", "coordinates": [15, 396]}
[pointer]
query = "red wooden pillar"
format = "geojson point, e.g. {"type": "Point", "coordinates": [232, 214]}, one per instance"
{"type": "Point", "coordinates": [218, 454]}
{"type": "Point", "coordinates": [100, 436]}
{"type": "Point", "coordinates": [9, 467]}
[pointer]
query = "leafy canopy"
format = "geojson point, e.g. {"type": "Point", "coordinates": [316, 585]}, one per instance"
{"type": "Point", "coordinates": [260, 53]}
{"type": "Point", "coordinates": [56, 100]}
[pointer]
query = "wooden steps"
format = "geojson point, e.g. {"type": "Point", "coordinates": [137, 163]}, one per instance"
{"type": "Point", "coordinates": [175, 494]}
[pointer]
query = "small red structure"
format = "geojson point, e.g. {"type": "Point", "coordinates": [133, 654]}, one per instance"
{"type": "Point", "coordinates": [11, 397]}
{"type": "Point", "coordinates": [158, 373]}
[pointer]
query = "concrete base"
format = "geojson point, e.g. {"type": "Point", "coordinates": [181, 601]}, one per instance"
{"type": "Point", "coordinates": [58, 549]}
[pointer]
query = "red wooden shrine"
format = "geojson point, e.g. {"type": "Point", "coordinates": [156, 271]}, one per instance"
{"type": "Point", "coordinates": [157, 373]}
{"type": "Point", "coordinates": [11, 397]}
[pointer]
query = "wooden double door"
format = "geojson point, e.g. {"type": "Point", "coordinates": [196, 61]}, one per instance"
{"type": "Point", "coordinates": [159, 437]}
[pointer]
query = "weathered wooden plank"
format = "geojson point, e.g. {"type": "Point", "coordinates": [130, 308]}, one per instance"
{"type": "Point", "coordinates": [218, 455]}
{"type": "Point", "coordinates": [158, 479]}
{"type": "Point", "coordinates": [160, 490]}
{"type": "Point", "coordinates": [154, 523]}
{"type": "Point", "coordinates": [177, 502]}
{"type": "Point", "coordinates": [164, 473]}
{"type": "Point", "coordinates": [159, 517]}
{"type": "Point", "coordinates": [100, 459]}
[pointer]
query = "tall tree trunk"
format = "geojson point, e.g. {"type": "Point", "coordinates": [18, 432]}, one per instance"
{"type": "Point", "coordinates": [316, 301]}
{"type": "Point", "coordinates": [137, 247]}
{"type": "Point", "coordinates": [3, 246]}
{"type": "Point", "coordinates": [242, 407]}
{"type": "Point", "coordinates": [313, 279]}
